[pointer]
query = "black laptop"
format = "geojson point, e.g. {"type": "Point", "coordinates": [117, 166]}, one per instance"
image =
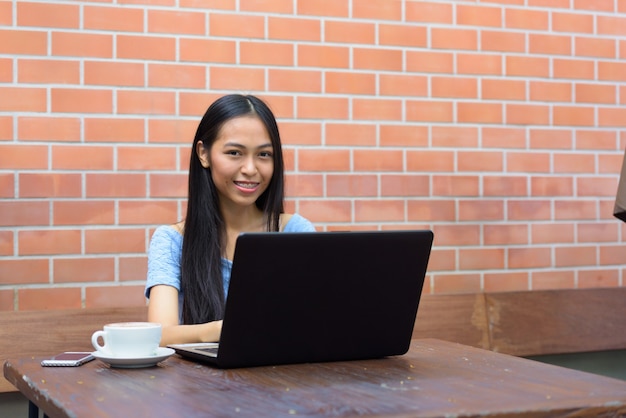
{"type": "Point", "coordinates": [319, 297]}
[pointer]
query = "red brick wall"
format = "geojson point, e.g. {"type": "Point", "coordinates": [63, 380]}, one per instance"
{"type": "Point", "coordinates": [500, 125]}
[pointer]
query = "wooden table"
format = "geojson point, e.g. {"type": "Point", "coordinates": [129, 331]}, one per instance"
{"type": "Point", "coordinates": [435, 378]}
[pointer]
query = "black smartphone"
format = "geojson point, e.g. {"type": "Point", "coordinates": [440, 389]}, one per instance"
{"type": "Point", "coordinates": [69, 359]}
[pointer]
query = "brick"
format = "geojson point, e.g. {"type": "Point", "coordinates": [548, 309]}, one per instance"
{"type": "Point", "coordinates": [595, 5]}
{"type": "Point", "coordinates": [523, 66]}
{"type": "Point", "coordinates": [82, 157]}
{"type": "Point", "coordinates": [110, 73]}
{"type": "Point", "coordinates": [209, 4]}
{"type": "Point", "coordinates": [146, 158]}
{"type": "Point", "coordinates": [454, 137]}
{"type": "Point", "coordinates": [376, 9]}
{"type": "Point", "coordinates": [114, 296]}
{"type": "Point", "coordinates": [480, 15]}
{"type": "Point", "coordinates": [430, 62]}
{"type": "Point", "coordinates": [457, 235]}
{"type": "Point", "coordinates": [429, 111]}
{"type": "Point", "coordinates": [23, 42]}
{"type": "Point", "coordinates": [483, 210]}
{"type": "Point", "coordinates": [612, 71]}
{"type": "Point", "coordinates": [612, 25]}
{"type": "Point", "coordinates": [297, 133]}
{"type": "Point", "coordinates": [377, 160]}
{"type": "Point", "coordinates": [335, 8]}
{"type": "Point", "coordinates": [28, 157]}
{"type": "Point", "coordinates": [7, 185]}
{"type": "Point", "coordinates": [70, 100]}
{"type": "Point", "coordinates": [82, 45]}
{"type": "Point", "coordinates": [181, 131]}
{"type": "Point", "coordinates": [176, 22]}
{"type": "Point", "coordinates": [157, 48]}
{"type": "Point", "coordinates": [595, 47]}
{"type": "Point", "coordinates": [23, 99]}
{"type": "Point", "coordinates": [508, 234]}
{"type": "Point", "coordinates": [455, 185]}
{"type": "Point", "coordinates": [503, 89]}
{"type": "Point", "coordinates": [598, 140]}
{"type": "Point", "coordinates": [572, 22]}
{"type": "Point", "coordinates": [575, 256]}
{"type": "Point", "coordinates": [48, 15]}
{"type": "Point", "coordinates": [391, 85]}
{"type": "Point", "coordinates": [49, 298]}
{"type": "Point", "coordinates": [350, 83]}
{"type": "Point", "coordinates": [370, 109]}
{"type": "Point", "coordinates": [83, 269]}
{"type": "Point", "coordinates": [504, 186]}
{"type": "Point", "coordinates": [502, 41]}
{"type": "Point", "coordinates": [335, 57]}
{"type": "Point", "coordinates": [496, 137]}
{"type": "Point", "coordinates": [441, 260]}
{"type": "Point", "coordinates": [598, 278]}
{"type": "Point", "coordinates": [83, 212]}
{"type": "Point", "coordinates": [177, 76]}
{"type": "Point", "coordinates": [309, 185]}
{"type": "Point", "coordinates": [237, 78]}
{"type": "Point", "coordinates": [115, 241]}
{"type": "Point", "coordinates": [6, 13]}
{"type": "Point", "coordinates": [518, 114]}
{"type": "Point", "coordinates": [529, 258]}
{"type": "Point", "coordinates": [549, 44]}
{"type": "Point", "coordinates": [527, 19]}
{"type": "Point", "coordinates": [431, 210]}
{"type": "Point", "coordinates": [351, 185]}
{"type": "Point", "coordinates": [349, 32]}
{"type": "Point", "coordinates": [6, 70]}
{"type": "Point", "coordinates": [379, 211]}
{"type": "Point", "coordinates": [547, 91]}
{"type": "Point", "coordinates": [49, 242]}
{"type": "Point", "coordinates": [7, 300]}
{"type": "Point", "coordinates": [48, 129]}
{"type": "Point", "coordinates": [429, 161]}
{"type": "Point", "coordinates": [168, 185]}
{"type": "Point", "coordinates": [323, 160]}
{"type": "Point", "coordinates": [148, 102]}
{"type": "Point", "coordinates": [595, 232]}
{"type": "Point", "coordinates": [479, 64]}
{"type": "Point", "coordinates": [575, 210]}
{"type": "Point", "coordinates": [506, 282]}
{"type": "Point", "coordinates": [117, 19]}
{"type": "Point", "coordinates": [294, 80]}
{"type": "Point", "coordinates": [528, 162]}
{"type": "Point", "coordinates": [612, 254]}
{"type": "Point", "coordinates": [267, 6]}
{"type": "Point", "coordinates": [457, 39]}
{"type": "Point", "coordinates": [267, 53]}
{"type": "Point", "coordinates": [479, 161]}
{"type": "Point", "coordinates": [350, 134]}
{"type": "Point", "coordinates": [573, 116]}
{"type": "Point", "coordinates": [454, 87]}
{"type": "Point", "coordinates": [149, 2]}
{"type": "Point", "coordinates": [456, 283]}
{"type": "Point", "coordinates": [49, 185]}
{"type": "Point", "coordinates": [596, 93]}
{"type": "Point", "coordinates": [408, 36]}
{"type": "Point", "coordinates": [114, 130]}
{"type": "Point", "coordinates": [555, 280]}
{"type": "Point", "coordinates": [481, 259]}
{"type": "Point", "coordinates": [596, 186]}
{"type": "Point", "coordinates": [378, 59]}
{"type": "Point", "coordinates": [208, 50]}
{"type": "Point", "coordinates": [429, 12]}
{"type": "Point", "coordinates": [24, 271]}
{"type": "Point", "coordinates": [48, 71]}
{"type": "Point", "coordinates": [562, 4]}
{"type": "Point", "coordinates": [147, 212]}
{"type": "Point", "coordinates": [133, 268]}
{"type": "Point", "coordinates": [479, 112]}
{"type": "Point", "coordinates": [402, 185]}
{"type": "Point", "coordinates": [116, 185]}
{"type": "Point", "coordinates": [326, 210]}
{"type": "Point", "coordinates": [609, 164]}
{"type": "Point", "coordinates": [294, 29]}
{"type": "Point", "coordinates": [569, 68]}
{"type": "Point", "coordinates": [551, 186]}
{"type": "Point", "coordinates": [528, 210]}
{"type": "Point", "coordinates": [236, 25]}
{"type": "Point", "coordinates": [322, 108]}
{"type": "Point", "coordinates": [612, 117]}
{"type": "Point", "coordinates": [6, 245]}
{"type": "Point", "coordinates": [552, 233]}
{"type": "Point", "coordinates": [404, 135]}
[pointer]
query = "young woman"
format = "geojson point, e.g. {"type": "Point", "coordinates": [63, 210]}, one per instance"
{"type": "Point", "coordinates": [236, 185]}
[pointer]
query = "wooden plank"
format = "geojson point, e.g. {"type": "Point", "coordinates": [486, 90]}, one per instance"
{"type": "Point", "coordinates": [557, 321]}
{"type": "Point", "coordinates": [459, 318]}
{"type": "Point", "coordinates": [45, 333]}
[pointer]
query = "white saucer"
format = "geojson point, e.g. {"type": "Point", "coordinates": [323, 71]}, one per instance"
{"type": "Point", "coordinates": [135, 362]}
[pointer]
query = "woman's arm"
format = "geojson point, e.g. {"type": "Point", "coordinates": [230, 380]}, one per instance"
{"type": "Point", "coordinates": [163, 308]}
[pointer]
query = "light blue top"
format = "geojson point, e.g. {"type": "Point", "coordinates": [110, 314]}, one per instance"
{"type": "Point", "coordinates": [165, 251]}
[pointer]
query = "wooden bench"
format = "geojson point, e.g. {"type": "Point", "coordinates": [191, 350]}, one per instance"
{"type": "Point", "coordinates": [517, 323]}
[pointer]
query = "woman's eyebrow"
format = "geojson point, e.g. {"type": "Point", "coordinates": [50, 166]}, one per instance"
{"type": "Point", "coordinates": [238, 145]}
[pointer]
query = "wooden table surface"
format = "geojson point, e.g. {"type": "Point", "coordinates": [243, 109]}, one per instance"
{"type": "Point", "coordinates": [435, 378]}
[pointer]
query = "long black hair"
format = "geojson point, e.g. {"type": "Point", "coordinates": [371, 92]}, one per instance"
{"type": "Point", "coordinates": [204, 231]}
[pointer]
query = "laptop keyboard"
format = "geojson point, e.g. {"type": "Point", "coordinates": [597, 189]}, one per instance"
{"type": "Point", "coordinates": [209, 350]}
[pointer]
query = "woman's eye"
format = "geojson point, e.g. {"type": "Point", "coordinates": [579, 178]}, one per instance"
{"type": "Point", "coordinates": [266, 154]}
{"type": "Point", "coordinates": [233, 152]}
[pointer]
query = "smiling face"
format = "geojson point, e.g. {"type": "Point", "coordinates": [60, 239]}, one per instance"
{"type": "Point", "coordinates": [240, 160]}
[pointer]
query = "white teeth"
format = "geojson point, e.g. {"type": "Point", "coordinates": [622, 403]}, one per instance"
{"type": "Point", "coordinates": [246, 185]}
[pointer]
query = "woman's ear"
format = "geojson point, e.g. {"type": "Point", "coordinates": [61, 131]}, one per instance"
{"type": "Point", "coordinates": [203, 154]}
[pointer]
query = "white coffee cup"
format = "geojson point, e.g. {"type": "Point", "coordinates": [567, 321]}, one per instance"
{"type": "Point", "coordinates": [128, 339]}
